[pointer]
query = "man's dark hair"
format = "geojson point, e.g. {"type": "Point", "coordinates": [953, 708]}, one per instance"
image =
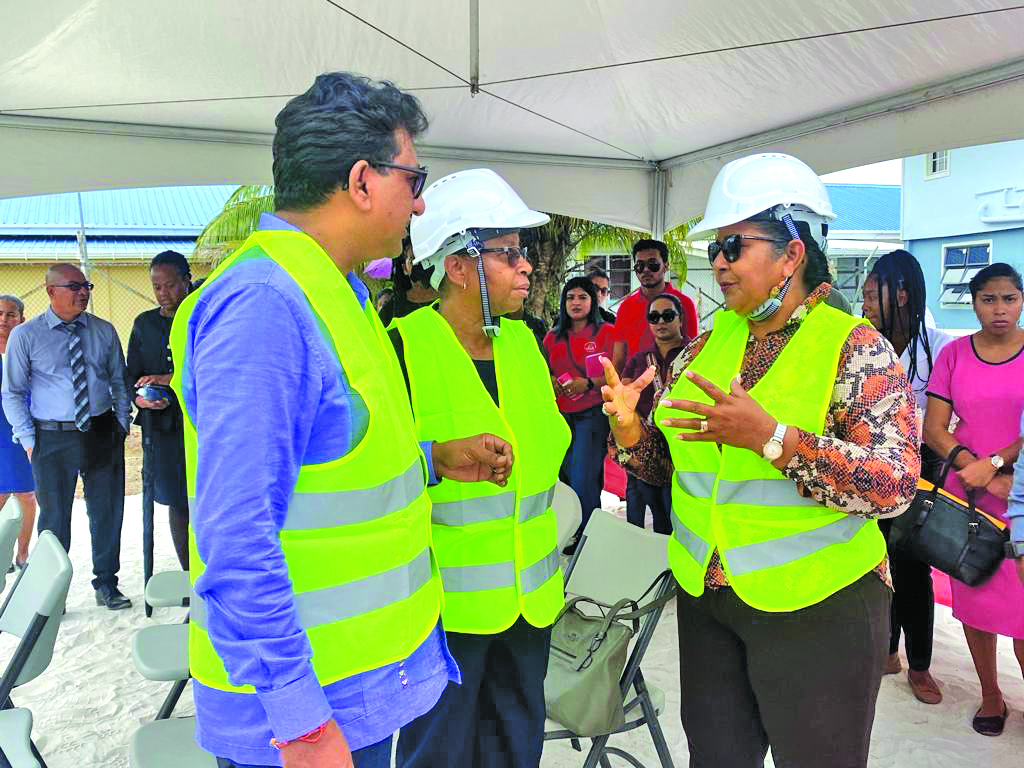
{"type": "Point", "coordinates": [900, 271]}
{"type": "Point", "coordinates": [173, 259]}
{"type": "Point", "coordinates": [342, 119]}
{"type": "Point", "coordinates": [564, 324]}
{"type": "Point", "coordinates": [598, 272]}
{"type": "Point", "coordinates": [647, 244]}
{"type": "Point", "coordinates": [994, 272]}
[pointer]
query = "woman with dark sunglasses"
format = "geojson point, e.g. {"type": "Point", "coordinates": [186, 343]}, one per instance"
{"type": "Point", "coordinates": [786, 432]}
{"type": "Point", "coordinates": [581, 333]}
{"type": "Point", "coordinates": [468, 366]}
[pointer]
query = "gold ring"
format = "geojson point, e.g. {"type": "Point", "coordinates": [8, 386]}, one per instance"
{"type": "Point", "coordinates": [704, 425]}
{"type": "Point", "coordinates": [604, 409]}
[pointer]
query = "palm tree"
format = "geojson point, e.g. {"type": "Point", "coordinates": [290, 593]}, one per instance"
{"type": "Point", "coordinates": [555, 250]}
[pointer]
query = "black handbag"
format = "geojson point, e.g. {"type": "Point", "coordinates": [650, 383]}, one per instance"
{"type": "Point", "coordinates": [954, 537]}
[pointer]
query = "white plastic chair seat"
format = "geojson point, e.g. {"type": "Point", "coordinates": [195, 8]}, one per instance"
{"type": "Point", "coordinates": [15, 738]}
{"type": "Point", "coordinates": [168, 744]}
{"type": "Point", "coordinates": [160, 652]}
{"type": "Point", "coordinates": [568, 514]}
{"type": "Point", "coordinates": [657, 699]}
{"type": "Point", "coordinates": [168, 589]}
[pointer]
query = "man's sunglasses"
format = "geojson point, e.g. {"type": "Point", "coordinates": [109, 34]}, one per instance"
{"type": "Point", "coordinates": [650, 265]}
{"type": "Point", "coordinates": [418, 179]}
{"type": "Point", "coordinates": [512, 254]}
{"type": "Point", "coordinates": [665, 316]}
{"type": "Point", "coordinates": [731, 246]}
{"type": "Point", "coordinates": [76, 287]}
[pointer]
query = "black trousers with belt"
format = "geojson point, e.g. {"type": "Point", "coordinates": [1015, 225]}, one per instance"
{"type": "Point", "coordinates": [495, 719]}
{"type": "Point", "coordinates": [803, 682]}
{"type": "Point", "coordinates": [58, 459]}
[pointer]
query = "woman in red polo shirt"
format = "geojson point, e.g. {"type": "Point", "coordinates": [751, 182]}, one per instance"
{"type": "Point", "coordinates": [580, 333]}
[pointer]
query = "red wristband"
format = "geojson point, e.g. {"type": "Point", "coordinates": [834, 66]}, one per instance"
{"type": "Point", "coordinates": [310, 738]}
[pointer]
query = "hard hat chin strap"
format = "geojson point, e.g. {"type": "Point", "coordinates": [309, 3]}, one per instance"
{"type": "Point", "coordinates": [475, 249]}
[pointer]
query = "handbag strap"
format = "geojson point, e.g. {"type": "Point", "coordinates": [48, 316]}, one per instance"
{"type": "Point", "coordinates": [568, 350]}
{"type": "Point", "coordinates": [949, 464]}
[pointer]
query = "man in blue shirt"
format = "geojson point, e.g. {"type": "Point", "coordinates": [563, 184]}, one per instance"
{"type": "Point", "coordinates": [264, 387]}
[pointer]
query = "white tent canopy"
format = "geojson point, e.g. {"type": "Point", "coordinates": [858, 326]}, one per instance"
{"type": "Point", "coordinates": [615, 110]}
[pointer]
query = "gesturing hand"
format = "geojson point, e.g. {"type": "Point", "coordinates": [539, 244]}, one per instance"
{"type": "Point", "coordinates": [473, 459]}
{"type": "Point", "coordinates": [733, 418]}
{"type": "Point", "coordinates": [620, 402]}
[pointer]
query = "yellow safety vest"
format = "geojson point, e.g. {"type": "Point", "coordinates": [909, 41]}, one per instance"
{"type": "Point", "coordinates": [356, 535]}
{"type": "Point", "coordinates": [781, 551]}
{"type": "Point", "coordinates": [497, 547]}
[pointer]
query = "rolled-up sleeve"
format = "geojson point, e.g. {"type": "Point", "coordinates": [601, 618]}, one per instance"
{"type": "Point", "coordinates": [253, 404]}
{"type": "Point", "coordinates": [868, 462]}
{"type": "Point", "coordinates": [16, 388]}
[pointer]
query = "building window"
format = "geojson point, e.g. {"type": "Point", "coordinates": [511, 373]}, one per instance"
{"type": "Point", "coordinates": [936, 164]}
{"type": "Point", "coordinates": [960, 263]}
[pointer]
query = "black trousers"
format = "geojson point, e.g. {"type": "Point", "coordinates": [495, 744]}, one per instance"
{"type": "Point", "coordinates": [495, 719]}
{"type": "Point", "coordinates": [98, 456]}
{"type": "Point", "coordinates": [640, 495]}
{"type": "Point", "coordinates": [802, 682]}
{"type": "Point", "coordinates": [913, 605]}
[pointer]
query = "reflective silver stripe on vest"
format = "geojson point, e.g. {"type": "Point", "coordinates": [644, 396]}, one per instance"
{"type": "Point", "coordinates": [779, 492]}
{"type": "Point", "coordinates": [692, 543]}
{"type": "Point", "coordinates": [768, 554]}
{"type": "Point", "coordinates": [478, 578]}
{"type": "Point", "coordinates": [327, 606]}
{"type": "Point", "coordinates": [536, 505]}
{"type": "Point", "coordinates": [309, 511]}
{"type": "Point", "coordinates": [697, 484]}
{"type": "Point", "coordinates": [537, 575]}
{"type": "Point", "coordinates": [483, 510]}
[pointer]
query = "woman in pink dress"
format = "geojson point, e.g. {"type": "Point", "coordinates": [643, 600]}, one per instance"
{"type": "Point", "coordinates": [981, 379]}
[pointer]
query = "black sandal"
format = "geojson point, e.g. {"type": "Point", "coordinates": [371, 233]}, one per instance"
{"type": "Point", "coordinates": [992, 725]}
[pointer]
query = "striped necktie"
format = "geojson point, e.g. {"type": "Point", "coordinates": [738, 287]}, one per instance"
{"type": "Point", "coordinates": [76, 358]}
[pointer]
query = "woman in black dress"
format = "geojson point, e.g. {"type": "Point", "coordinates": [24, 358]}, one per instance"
{"type": "Point", "coordinates": [149, 373]}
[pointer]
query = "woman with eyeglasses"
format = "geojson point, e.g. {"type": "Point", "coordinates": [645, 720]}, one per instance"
{"type": "Point", "coordinates": [980, 378]}
{"type": "Point", "coordinates": [664, 315]}
{"type": "Point", "coordinates": [581, 334]}
{"type": "Point", "coordinates": [785, 433]}
{"type": "Point", "coordinates": [471, 368]}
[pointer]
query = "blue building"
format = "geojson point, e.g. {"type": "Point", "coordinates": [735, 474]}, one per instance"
{"type": "Point", "coordinates": [962, 210]}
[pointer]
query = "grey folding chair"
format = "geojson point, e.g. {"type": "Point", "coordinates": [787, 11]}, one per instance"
{"type": "Point", "coordinates": [10, 524]}
{"type": "Point", "coordinates": [616, 560]}
{"type": "Point", "coordinates": [32, 613]}
{"type": "Point", "coordinates": [160, 653]}
{"type": "Point", "coordinates": [168, 744]}
{"type": "Point", "coordinates": [168, 589]}
{"type": "Point", "coordinates": [568, 513]}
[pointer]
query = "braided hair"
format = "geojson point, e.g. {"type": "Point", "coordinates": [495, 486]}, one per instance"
{"type": "Point", "coordinates": [899, 271]}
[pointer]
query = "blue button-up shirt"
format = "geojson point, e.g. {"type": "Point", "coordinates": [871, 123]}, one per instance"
{"type": "Point", "coordinates": [1015, 511]}
{"type": "Point", "coordinates": [264, 388]}
{"type": "Point", "coordinates": [37, 373]}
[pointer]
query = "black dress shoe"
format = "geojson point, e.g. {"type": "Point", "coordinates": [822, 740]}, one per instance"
{"type": "Point", "coordinates": [112, 598]}
{"type": "Point", "coordinates": [992, 725]}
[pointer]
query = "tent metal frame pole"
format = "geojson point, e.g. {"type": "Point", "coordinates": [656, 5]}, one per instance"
{"type": "Point", "coordinates": [936, 92]}
{"type": "Point", "coordinates": [659, 201]}
{"type": "Point", "coordinates": [474, 47]}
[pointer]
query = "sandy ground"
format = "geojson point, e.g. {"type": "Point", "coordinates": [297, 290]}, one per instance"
{"type": "Point", "coordinates": [90, 699]}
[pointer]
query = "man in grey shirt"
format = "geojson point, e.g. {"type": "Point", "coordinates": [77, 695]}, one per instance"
{"type": "Point", "coordinates": [64, 394]}
{"type": "Point", "coordinates": [1015, 512]}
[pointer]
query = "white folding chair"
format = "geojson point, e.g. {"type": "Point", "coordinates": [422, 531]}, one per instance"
{"type": "Point", "coordinates": [10, 524]}
{"type": "Point", "coordinates": [168, 744]}
{"type": "Point", "coordinates": [616, 560]}
{"type": "Point", "coordinates": [568, 513]}
{"type": "Point", "coordinates": [168, 589]}
{"type": "Point", "coordinates": [32, 612]}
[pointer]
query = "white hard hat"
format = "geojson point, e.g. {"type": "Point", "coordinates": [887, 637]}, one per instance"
{"type": "Point", "coordinates": [477, 199]}
{"type": "Point", "coordinates": [750, 185]}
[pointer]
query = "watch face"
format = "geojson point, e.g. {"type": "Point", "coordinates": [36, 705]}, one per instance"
{"type": "Point", "coordinates": [772, 450]}
{"type": "Point", "coordinates": [997, 461]}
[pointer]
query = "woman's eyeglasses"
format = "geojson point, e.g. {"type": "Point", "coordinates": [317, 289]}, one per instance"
{"type": "Point", "coordinates": [418, 179]}
{"type": "Point", "coordinates": [665, 316]}
{"type": "Point", "coordinates": [731, 246]}
{"type": "Point", "coordinates": [512, 254]}
{"type": "Point", "coordinates": [650, 265]}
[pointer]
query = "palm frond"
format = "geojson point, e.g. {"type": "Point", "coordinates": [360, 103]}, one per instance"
{"type": "Point", "coordinates": [229, 229]}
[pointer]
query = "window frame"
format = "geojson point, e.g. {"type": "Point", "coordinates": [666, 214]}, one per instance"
{"type": "Point", "coordinates": [943, 285]}
{"type": "Point", "coordinates": [928, 172]}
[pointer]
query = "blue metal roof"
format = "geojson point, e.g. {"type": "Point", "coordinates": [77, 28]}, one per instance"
{"type": "Point", "coordinates": [865, 207]}
{"type": "Point", "coordinates": [59, 248]}
{"type": "Point", "coordinates": [152, 211]}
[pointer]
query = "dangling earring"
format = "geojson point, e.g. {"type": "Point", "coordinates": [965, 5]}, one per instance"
{"type": "Point", "coordinates": [463, 286]}
{"type": "Point", "coordinates": [775, 291]}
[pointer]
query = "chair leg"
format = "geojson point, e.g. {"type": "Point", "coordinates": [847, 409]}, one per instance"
{"type": "Point", "coordinates": [172, 699]}
{"type": "Point", "coordinates": [657, 735]}
{"type": "Point", "coordinates": [39, 757]}
{"type": "Point", "coordinates": [596, 752]}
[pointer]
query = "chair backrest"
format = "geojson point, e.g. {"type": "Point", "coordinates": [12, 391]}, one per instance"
{"type": "Point", "coordinates": [568, 512]}
{"type": "Point", "coordinates": [33, 611]}
{"type": "Point", "coordinates": [10, 524]}
{"type": "Point", "coordinates": [616, 560]}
